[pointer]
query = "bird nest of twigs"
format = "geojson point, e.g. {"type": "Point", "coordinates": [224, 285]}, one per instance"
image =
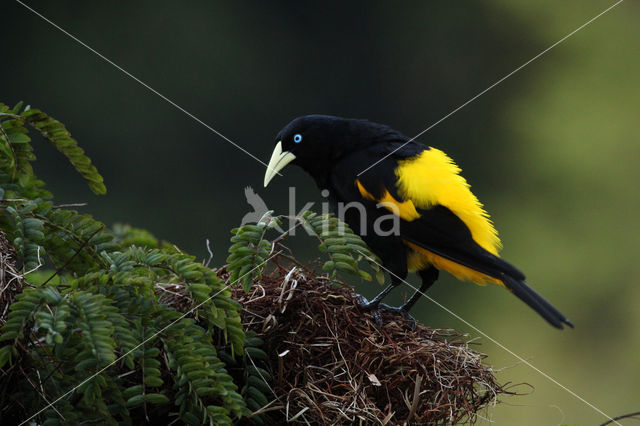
{"type": "Point", "coordinates": [333, 364]}
{"type": "Point", "coordinates": [11, 279]}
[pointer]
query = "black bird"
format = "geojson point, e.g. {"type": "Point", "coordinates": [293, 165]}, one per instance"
{"type": "Point", "coordinates": [439, 223]}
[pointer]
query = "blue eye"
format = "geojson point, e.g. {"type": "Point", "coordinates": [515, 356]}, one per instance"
{"type": "Point", "coordinates": [297, 138]}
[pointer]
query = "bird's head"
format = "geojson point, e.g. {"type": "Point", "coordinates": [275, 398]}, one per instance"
{"type": "Point", "coordinates": [311, 142]}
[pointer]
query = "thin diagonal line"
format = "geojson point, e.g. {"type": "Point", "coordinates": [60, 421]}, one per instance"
{"type": "Point", "coordinates": [521, 359]}
{"type": "Point", "coordinates": [142, 83]}
{"type": "Point", "coordinates": [42, 393]}
{"type": "Point", "coordinates": [494, 84]}
{"type": "Point", "coordinates": [50, 404]}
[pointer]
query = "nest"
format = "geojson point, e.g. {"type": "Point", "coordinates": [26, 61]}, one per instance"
{"type": "Point", "coordinates": [332, 364]}
{"type": "Point", "coordinates": [11, 280]}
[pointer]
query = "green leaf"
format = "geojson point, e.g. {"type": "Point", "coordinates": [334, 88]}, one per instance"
{"type": "Point", "coordinates": [155, 398]}
{"type": "Point", "coordinates": [345, 267]}
{"type": "Point", "coordinates": [133, 390]}
{"type": "Point", "coordinates": [5, 355]}
{"type": "Point", "coordinates": [365, 275]}
{"type": "Point", "coordinates": [153, 381]}
{"type": "Point", "coordinates": [135, 401]}
{"type": "Point", "coordinates": [256, 354]}
{"type": "Point", "coordinates": [15, 138]}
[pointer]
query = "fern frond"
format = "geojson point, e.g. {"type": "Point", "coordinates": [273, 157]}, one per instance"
{"type": "Point", "coordinates": [75, 238]}
{"type": "Point", "coordinates": [256, 391]}
{"type": "Point", "coordinates": [21, 318]}
{"type": "Point", "coordinates": [56, 133]}
{"type": "Point", "coordinates": [249, 251]}
{"type": "Point", "coordinates": [214, 302]}
{"type": "Point", "coordinates": [53, 320]}
{"type": "Point", "coordinates": [126, 235]}
{"type": "Point", "coordinates": [96, 333]}
{"type": "Point", "coordinates": [344, 248]}
{"type": "Point", "coordinates": [15, 146]}
{"type": "Point", "coordinates": [123, 335]}
{"type": "Point", "coordinates": [27, 232]}
{"type": "Point", "coordinates": [200, 377]}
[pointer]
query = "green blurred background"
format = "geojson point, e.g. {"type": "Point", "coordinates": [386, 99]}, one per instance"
{"type": "Point", "coordinates": [552, 151]}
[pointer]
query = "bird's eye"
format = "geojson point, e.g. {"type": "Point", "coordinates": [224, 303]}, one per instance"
{"type": "Point", "coordinates": [297, 138]}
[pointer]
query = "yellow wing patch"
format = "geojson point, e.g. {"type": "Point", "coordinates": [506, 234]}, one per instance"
{"type": "Point", "coordinates": [433, 178]}
{"type": "Point", "coordinates": [404, 209]}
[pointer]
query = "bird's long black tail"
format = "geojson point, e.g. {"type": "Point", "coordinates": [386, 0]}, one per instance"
{"type": "Point", "coordinates": [535, 301]}
{"type": "Point", "coordinates": [462, 249]}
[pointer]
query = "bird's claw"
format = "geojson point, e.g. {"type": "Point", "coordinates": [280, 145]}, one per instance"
{"type": "Point", "coordinates": [375, 309]}
{"type": "Point", "coordinates": [403, 312]}
{"type": "Point", "coordinates": [364, 303]}
{"type": "Point", "coordinates": [367, 306]}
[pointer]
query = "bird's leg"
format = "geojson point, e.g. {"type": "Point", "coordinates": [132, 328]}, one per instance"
{"type": "Point", "coordinates": [375, 302]}
{"type": "Point", "coordinates": [428, 276]}
{"type": "Point", "coordinates": [375, 306]}
{"type": "Point", "coordinates": [398, 310]}
{"type": "Point", "coordinates": [396, 265]}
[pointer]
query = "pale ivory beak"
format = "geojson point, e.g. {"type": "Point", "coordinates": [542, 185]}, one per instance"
{"type": "Point", "coordinates": [278, 160]}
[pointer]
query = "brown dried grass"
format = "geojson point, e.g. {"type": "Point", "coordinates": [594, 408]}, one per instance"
{"type": "Point", "coordinates": [11, 280]}
{"type": "Point", "coordinates": [332, 364]}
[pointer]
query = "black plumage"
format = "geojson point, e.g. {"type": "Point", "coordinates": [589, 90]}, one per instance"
{"type": "Point", "coordinates": [362, 162]}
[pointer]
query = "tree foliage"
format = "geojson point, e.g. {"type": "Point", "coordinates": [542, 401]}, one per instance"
{"type": "Point", "coordinates": [115, 326]}
{"type": "Point", "coordinates": [111, 325]}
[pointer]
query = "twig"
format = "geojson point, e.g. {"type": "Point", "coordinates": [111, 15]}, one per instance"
{"type": "Point", "coordinates": [62, 206]}
{"type": "Point", "coordinates": [84, 244]}
{"type": "Point", "coordinates": [210, 254]}
{"type": "Point", "coordinates": [416, 398]}
{"type": "Point", "coordinates": [624, 416]}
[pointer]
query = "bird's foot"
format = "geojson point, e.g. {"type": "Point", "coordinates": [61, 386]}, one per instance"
{"type": "Point", "coordinates": [364, 303]}
{"type": "Point", "coordinates": [403, 312]}
{"type": "Point", "coordinates": [375, 307]}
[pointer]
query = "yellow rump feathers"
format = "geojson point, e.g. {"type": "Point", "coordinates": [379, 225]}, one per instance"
{"type": "Point", "coordinates": [419, 258]}
{"type": "Point", "coordinates": [433, 178]}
